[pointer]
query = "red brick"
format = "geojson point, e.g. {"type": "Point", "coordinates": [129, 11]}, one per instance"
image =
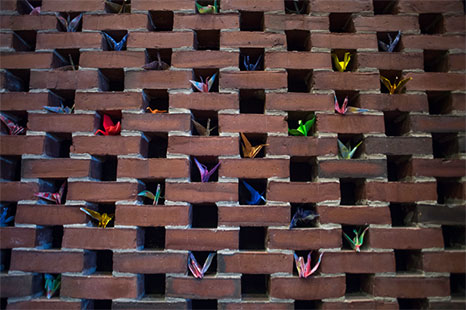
{"type": "Point", "coordinates": [303, 192]}
{"type": "Point", "coordinates": [21, 101]}
{"type": "Point", "coordinates": [203, 146]}
{"type": "Point", "coordinates": [162, 5]}
{"type": "Point", "coordinates": [436, 81]}
{"type": "Point", "coordinates": [18, 145]}
{"type": "Point", "coordinates": [282, 22]}
{"type": "Point", "coordinates": [353, 124]}
{"type": "Point", "coordinates": [111, 59]}
{"type": "Point", "coordinates": [75, 6]}
{"type": "Point", "coordinates": [160, 39]}
{"type": "Point", "coordinates": [356, 168]}
{"type": "Point", "coordinates": [15, 191]}
{"type": "Point", "coordinates": [456, 62]}
{"type": "Point", "coordinates": [47, 261]}
{"type": "Point", "coordinates": [53, 40]}
{"type": "Point", "coordinates": [96, 238]}
{"type": "Point", "coordinates": [8, 5]}
{"type": "Point", "coordinates": [299, 102]}
{"type": "Point", "coordinates": [254, 215]}
{"type": "Point", "coordinates": [354, 215]}
{"type": "Point", "coordinates": [344, 40]}
{"type": "Point", "coordinates": [413, 6]}
{"type": "Point", "coordinates": [257, 168]}
{"type": "Point", "coordinates": [19, 285]}
{"type": "Point", "coordinates": [361, 303]}
{"type": "Point", "coordinates": [206, 22]}
{"type": "Point", "coordinates": [115, 21]}
{"type": "Point", "coordinates": [451, 304]}
{"type": "Point", "coordinates": [401, 191]}
{"type": "Point", "coordinates": [437, 123]}
{"type": "Point", "coordinates": [301, 146]}
{"type": "Point", "coordinates": [436, 261]}
{"type": "Point", "coordinates": [150, 262]}
{"type": "Point", "coordinates": [400, 102]}
{"type": "Point", "coordinates": [303, 238]}
{"type": "Point", "coordinates": [204, 101]}
{"type": "Point", "coordinates": [26, 60]}
{"type": "Point", "coordinates": [390, 61]}
{"type": "Point", "coordinates": [454, 24]}
{"type": "Point", "coordinates": [354, 262]}
{"type": "Point", "coordinates": [208, 288]}
{"type": "Point", "coordinates": [28, 22]}
{"type": "Point", "coordinates": [112, 101]}
{"type": "Point", "coordinates": [6, 40]}
{"type": "Point", "coordinates": [64, 79]}
{"type": "Point", "coordinates": [152, 168]}
{"type": "Point", "coordinates": [106, 145]}
{"type": "Point", "coordinates": [411, 286]}
{"type": "Point", "coordinates": [248, 123]}
{"type": "Point", "coordinates": [307, 289]}
{"type": "Point", "coordinates": [346, 80]}
{"type": "Point", "coordinates": [438, 167]}
{"type": "Point", "coordinates": [201, 239]}
{"type": "Point", "coordinates": [397, 145]}
{"type": "Point", "coordinates": [386, 23]}
{"type": "Point", "coordinates": [201, 192]}
{"type": "Point", "coordinates": [298, 60]}
{"type": "Point", "coordinates": [49, 215]}
{"type": "Point", "coordinates": [204, 59]}
{"type": "Point", "coordinates": [442, 214]}
{"type": "Point", "coordinates": [17, 237]}
{"type": "Point", "coordinates": [157, 79]}
{"type": "Point", "coordinates": [253, 80]}
{"type": "Point", "coordinates": [252, 5]}
{"type": "Point", "coordinates": [255, 305]}
{"type": "Point", "coordinates": [149, 122]}
{"type": "Point", "coordinates": [44, 303]}
{"type": "Point", "coordinates": [405, 238]}
{"type": "Point", "coordinates": [251, 39]}
{"type": "Point", "coordinates": [255, 263]}
{"type": "Point", "coordinates": [152, 215]}
{"type": "Point", "coordinates": [100, 287]}
{"type": "Point", "coordinates": [150, 303]}
{"type": "Point", "coordinates": [457, 102]}
{"type": "Point", "coordinates": [61, 122]}
{"type": "Point", "coordinates": [433, 42]}
{"type": "Point", "coordinates": [55, 168]}
{"type": "Point", "coordinates": [101, 191]}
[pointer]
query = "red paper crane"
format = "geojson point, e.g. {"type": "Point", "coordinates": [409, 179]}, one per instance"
{"type": "Point", "coordinates": [110, 129]}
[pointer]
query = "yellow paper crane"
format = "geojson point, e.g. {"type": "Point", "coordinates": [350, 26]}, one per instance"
{"type": "Point", "coordinates": [341, 65]}
{"type": "Point", "coordinates": [395, 87]}
{"type": "Point", "coordinates": [103, 218]}
{"type": "Point", "coordinates": [250, 151]}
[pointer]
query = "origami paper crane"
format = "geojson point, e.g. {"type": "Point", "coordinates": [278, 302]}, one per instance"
{"type": "Point", "coordinates": [196, 269]}
{"type": "Point", "coordinates": [250, 151]}
{"type": "Point", "coordinates": [13, 129]}
{"type": "Point", "coordinates": [302, 216]}
{"type": "Point", "coordinates": [345, 150]}
{"type": "Point", "coordinates": [345, 108]}
{"type": "Point", "coordinates": [119, 8]}
{"type": "Point", "coordinates": [52, 284]}
{"type": "Point", "coordinates": [60, 110]}
{"type": "Point", "coordinates": [341, 65]}
{"type": "Point", "coordinates": [304, 268]}
{"type": "Point", "coordinates": [67, 64]}
{"type": "Point", "coordinates": [249, 66]}
{"type": "Point", "coordinates": [202, 86]}
{"type": "Point", "coordinates": [151, 196]}
{"type": "Point", "coordinates": [156, 64]}
{"type": "Point", "coordinates": [4, 219]}
{"type": "Point", "coordinates": [70, 25]}
{"type": "Point", "coordinates": [255, 197]}
{"type": "Point", "coordinates": [103, 218]}
{"type": "Point", "coordinates": [395, 87]}
{"type": "Point", "coordinates": [303, 129]}
{"type": "Point", "coordinates": [358, 239]}
{"type": "Point", "coordinates": [204, 172]}
{"type": "Point", "coordinates": [296, 9]}
{"type": "Point", "coordinates": [208, 9]}
{"type": "Point", "coordinates": [114, 45]}
{"type": "Point", "coordinates": [110, 129]}
{"type": "Point", "coordinates": [390, 47]}
{"type": "Point", "coordinates": [201, 130]}
{"type": "Point", "coordinates": [53, 197]}
{"type": "Point", "coordinates": [35, 11]}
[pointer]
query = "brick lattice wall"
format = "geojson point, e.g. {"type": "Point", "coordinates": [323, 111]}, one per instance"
{"type": "Point", "coordinates": [406, 182]}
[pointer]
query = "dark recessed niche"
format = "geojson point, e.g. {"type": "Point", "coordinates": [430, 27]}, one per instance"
{"type": "Point", "coordinates": [208, 161]}
{"type": "Point", "coordinates": [445, 145]}
{"type": "Point", "coordinates": [154, 238]}
{"type": "Point", "coordinates": [57, 145]}
{"type": "Point", "coordinates": [69, 16]}
{"type": "Point", "coordinates": [108, 208]}
{"type": "Point", "coordinates": [255, 139]}
{"type": "Point", "coordinates": [254, 285]}
{"type": "Point", "coordinates": [307, 304]}
{"type": "Point", "coordinates": [24, 9]}
{"type": "Point", "coordinates": [119, 9]}
{"type": "Point", "coordinates": [358, 285]}
{"type": "Point", "coordinates": [385, 7]}
{"type": "Point", "coordinates": [303, 169]}
{"type": "Point", "coordinates": [297, 7]}
{"type": "Point", "coordinates": [299, 81]}
{"type": "Point", "coordinates": [115, 117]}
{"type": "Point", "coordinates": [5, 260]}
{"type": "Point", "coordinates": [251, 58]}
{"type": "Point", "coordinates": [298, 40]}
{"type": "Point", "coordinates": [111, 79]}
{"type": "Point", "coordinates": [117, 36]}
{"type": "Point", "coordinates": [16, 80]}
{"type": "Point", "coordinates": [259, 185]}
{"type": "Point", "coordinates": [49, 237]}
{"type": "Point", "coordinates": [251, 21]}
{"type": "Point", "coordinates": [398, 167]}
{"type": "Point", "coordinates": [101, 304]}
{"type": "Point", "coordinates": [403, 214]}
{"type": "Point", "coordinates": [20, 118]}
{"type": "Point", "coordinates": [351, 191]}
{"type": "Point", "coordinates": [203, 304]}
{"type": "Point", "coordinates": [52, 186]}
{"type": "Point", "coordinates": [154, 144]}
{"type": "Point", "coordinates": [66, 59]}
{"type": "Point", "coordinates": [454, 237]}
{"type": "Point", "coordinates": [252, 238]}
{"type": "Point", "coordinates": [435, 61]}
{"type": "Point", "coordinates": [203, 117]}
{"type": "Point", "coordinates": [314, 259]}
{"type": "Point", "coordinates": [58, 97]}
{"type": "Point", "coordinates": [206, 40]}
{"type": "Point", "coordinates": [352, 65]}
{"type": "Point", "coordinates": [396, 123]}
{"type": "Point", "coordinates": [394, 76]}
{"type": "Point", "coordinates": [155, 99]}
{"type": "Point", "coordinates": [160, 21]}
{"type": "Point", "coordinates": [201, 257]}
{"type": "Point", "coordinates": [412, 303]}
{"type": "Point", "coordinates": [252, 101]}
{"type": "Point", "coordinates": [151, 185]}
{"type": "Point", "coordinates": [208, 2]}
{"type": "Point", "coordinates": [408, 261]}
{"type": "Point", "coordinates": [457, 285]}
{"type": "Point", "coordinates": [10, 212]}
{"type": "Point", "coordinates": [103, 261]}
{"type": "Point", "coordinates": [449, 190]}
{"type": "Point", "coordinates": [56, 294]}
{"type": "Point", "coordinates": [152, 54]}
{"type": "Point", "coordinates": [57, 236]}
{"type": "Point", "coordinates": [306, 207]}
{"type": "Point", "coordinates": [154, 285]}
{"type": "Point", "coordinates": [383, 36]}
{"type": "Point", "coordinates": [204, 216]}
{"type": "Point", "coordinates": [201, 75]}
{"type": "Point", "coordinates": [10, 168]}
{"type": "Point", "coordinates": [431, 23]}
{"type": "Point", "coordinates": [349, 230]}
{"type": "Point", "coordinates": [24, 40]}
{"type": "Point", "coordinates": [353, 140]}
{"type": "Point", "coordinates": [354, 100]}
{"type": "Point", "coordinates": [439, 102]}
{"type": "Point", "coordinates": [104, 168]}
{"type": "Point", "coordinates": [341, 22]}
{"type": "Point", "coordinates": [295, 116]}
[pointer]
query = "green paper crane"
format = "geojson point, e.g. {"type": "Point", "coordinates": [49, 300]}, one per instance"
{"type": "Point", "coordinates": [303, 128]}
{"type": "Point", "coordinates": [155, 198]}
{"type": "Point", "coordinates": [208, 9]}
{"type": "Point", "coordinates": [358, 239]}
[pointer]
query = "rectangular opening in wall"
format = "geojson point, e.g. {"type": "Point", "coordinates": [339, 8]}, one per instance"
{"type": "Point", "coordinates": [431, 23]}
{"type": "Point", "coordinates": [16, 80]}
{"type": "Point", "coordinates": [294, 117]}
{"type": "Point", "coordinates": [398, 167]}
{"type": "Point", "coordinates": [251, 59]}
{"type": "Point", "coordinates": [203, 75]}
{"type": "Point", "coordinates": [24, 9]}
{"type": "Point", "coordinates": [206, 40]}
{"type": "Point", "coordinates": [202, 304]}
{"type": "Point", "coordinates": [408, 261]}
{"type": "Point", "coordinates": [252, 101]}
{"type": "Point", "coordinates": [158, 59]}
{"type": "Point", "coordinates": [57, 236]}
{"type": "Point", "coordinates": [396, 123]}
{"type": "Point", "coordinates": [352, 64]}
{"type": "Point", "coordinates": [307, 304]}
{"type": "Point", "coordinates": [61, 97]}
{"type": "Point", "coordinates": [208, 161]}
{"type": "Point", "coordinates": [201, 257]}
{"type": "Point", "coordinates": [255, 139]}
{"type": "Point", "coordinates": [449, 191]}
{"type": "Point", "coordinates": [341, 22]}
{"type": "Point", "coordinates": [20, 118]}
{"type": "Point", "coordinates": [403, 214]}
{"type": "Point", "coordinates": [49, 237]}
{"type": "Point", "coordinates": [314, 260]}
{"type": "Point", "coordinates": [412, 303]}
{"type": "Point", "coordinates": [10, 168]}
{"type": "Point", "coordinates": [351, 141]}
{"type": "Point", "coordinates": [118, 36]}
{"type": "Point", "coordinates": [51, 186]}
{"type": "Point", "coordinates": [205, 3]}
{"type": "Point", "coordinates": [254, 286]}
{"type": "Point", "coordinates": [118, 6]}
{"type": "Point", "coordinates": [53, 277]}
{"type": "Point", "coordinates": [66, 59]}
{"type": "Point", "coordinates": [5, 260]}
{"type": "Point", "coordinates": [354, 99]}
{"type": "Point", "coordinates": [108, 208]}
{"type": "Point", "coordinates": [435, 61]}
{"type": "Point", "coordinates": [349, 230]}
{"type": "Point", "coordinates": [115, 117]}
{"type": "Point", "coordinates": [70, 25]}
{"type": "Point", "coordinates": [297, 7]}
{"type": "Point", "coordinates": [247, 194]}
{"type": "Point", "coordinates": [57, 145]}
{"type": "Point", "coordinates": [457, 285]}
{"type": "Point", "coordinates": [394, 76]}
{"type": "Point", "coordinates": [251, 21]}
{"type": "Point", "coordinates": [252, 238]}
{"type": "Point", "coordinates": [24, 40]}
{"type": "Point", "coordinates": [111, 79]}
{"type": "Point", "coordinates": [357, 285]}
{"type": "Point", "coordinates": [155, 100]}
{"type": "Point", "coordinates": [351, 191]}
{"type": "Point", "coordinates": [387, 37]}
{"type": "Point", "coordinates": [154, 285]}
{"type": "Point", "coordinates": [154, 144]}
{"type": "Point", "coordinates": [154, 238]}
{"type": "Point", "coordinates": [8, 212]}
{"type": "Point", "coordinates": [103, 168]}
{"type": "Point", "coordinates": [454, 237]}
{"type": "Point", "coordinates": [298, 40]}
{"type": "Point", "coordinates": [303, 215]}
{"type": "Point", "coordinates": [104, 261]}
{"type": "Point", "coordinates": [205, 123]}
{"type": "Point", "coordinates": [445, 145]}
{"type": "Point", "coordinates": [100, 304]}
{"type": "Point", "coordinates": [440, 102]}
{"type": "Point", "coordinates": [299, 81]}
{"type": "Point", "coordinates": [303, 169]}
{"type": "Point", "coordinates": [385, 7]}
{"type": "Point", "coordinates": [151, 185]}
{"type": "Point", "coordinates": [204, 216]}
{"type": "Point", "coordinates": [160, 21]}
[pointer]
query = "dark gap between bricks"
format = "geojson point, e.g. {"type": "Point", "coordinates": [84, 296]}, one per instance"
{"type": "Point", "coordinates": [251, 56]}
{"type": "Point", "coordinates": [160, 21]}
{"type": "Point", "coordinates": [440, 102]}
{"type": "Point", "coordinates": [454, 237]}
{"type": "Point", "coordinates": [154, 285]}
{"type": "Point", "coordinates": [449, 190]}
{"type": "Point", "coordinates": [154, 144]}
{"type": "Point", "coordinates": [445, 145]}
{"type": "Point", "coordinates": [385, 7]}
{"type": "Point", "coordinates": [206, 40]}
{"type": "Point", "coordinates": [298, 40]}
{"type": "Point", "coordinates": [413, 303]}
{"type": "Point", "coordinates": [24, 40]}
{"type": "Point", "coordinates": [5, 260]}
{"type": "Point", "coordinates": [341, 22]}
{"type": "Point", "coordinates": [351, 191]}
{"type": "Point", "coordinates": [252, 101]}
{"type": "Point", "coordinates": [408, 261]}
{"type": "Point", "coordinates": [403, 214]}
{"type": "Point", "coordinates": [10, 168]}
{"type": "Point", "coordinates": [153, 238]}
{"type": "Point", "coordinates": [23, 8]}
{"type": "Point", "coordinates": [358, 285]}
{"type": "Point", "coordinates": [204, 216]}
{"type": "Point", "coordinates": [202, 304]}
{"type": "Point", "coordinates": [308, 304]}
{"type": "Point", "coordinates": [431, 23]}
{"type": "Point", "coordinates": [16, 80]}
{"type": "Point", "coordinates": [251, 21]}
{"type": "Point", "coordinates": [66, 59]}
{"type": "Point", "coordinates": [254, 286]}
{"type": "Point", "coordinates": [435, 61]}
{"type": "Point", "coordinates": [396, 123]}
{"type": "Point", "coordinates": [151, 185]}
{"type": "Point", "coordinates": [252, 238]}
{"type": "Point", "coordinates": [303, 169]}
{"type": "Point", "coordinates": [202, 117]}
{"type": "Point", "coordinates": [299, 81]}
{"type": "Point", "coordinates": [57, 145]}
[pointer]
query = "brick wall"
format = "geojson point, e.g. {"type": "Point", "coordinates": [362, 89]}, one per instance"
{"type": "Point", "coordinates": [406, 182]}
